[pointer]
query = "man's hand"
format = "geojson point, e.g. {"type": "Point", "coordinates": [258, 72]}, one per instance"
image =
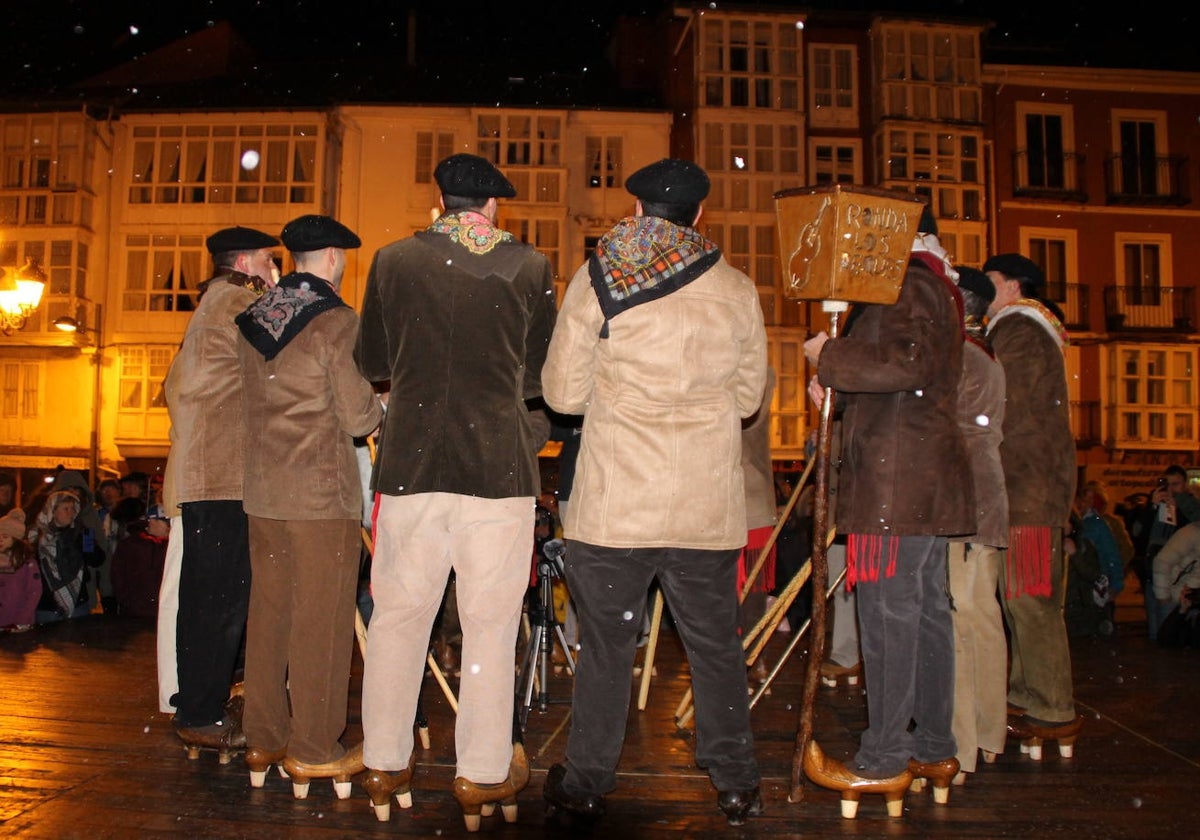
{"type": "Point", "coordinates": [812, 347]}
{"type": "Point", "coordinates": [816, 392]}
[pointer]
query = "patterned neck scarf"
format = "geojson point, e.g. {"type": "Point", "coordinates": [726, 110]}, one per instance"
{"type": "Point", "coordinates": [272, 321]}
{"type": "Point", "coordinates": [472, 230]}
{"type": "Point", "coordinates": [1039, 312]}
{"type": "Point", "coordinates": [644, 258]}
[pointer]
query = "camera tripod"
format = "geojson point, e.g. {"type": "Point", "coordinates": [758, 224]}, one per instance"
{"type": "Point", "coordinates": [544, 629]}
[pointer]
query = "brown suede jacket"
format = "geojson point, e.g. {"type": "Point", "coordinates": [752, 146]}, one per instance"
{"type": "Point", "coordinates": [896, 372]}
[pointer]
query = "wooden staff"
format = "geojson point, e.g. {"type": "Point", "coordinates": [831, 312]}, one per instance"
{"type": "Point", "coordinates": [651, 647]}
{"type": "Point", "coordinates": [820, 567]}
{"type": "Point", "coordinates": [773, 617]}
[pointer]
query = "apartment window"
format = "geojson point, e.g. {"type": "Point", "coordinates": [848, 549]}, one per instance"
{"type": "Point", "coordinates": [603, 156]}
{"type": "Point", "coordinates": [930, 72]}
{"type": "Point", "coordinates": [224, 164]}
{"type": "Point", "coordinates": [142, 371]}
{"type": "Point", "coordinates": [748, 63]}
{"type": "Point", "coordinates": [1153, 395]}
{"type": "Point", "coordinates": [834, 161]}
{"type": "Point", "coordinates": [752, 147]}
{"type": "Point", "coordinates": [944, 165]}
{"type": "Point", "coordinates": [38, 155]}
{"type": "Point", "coordinates": [520, 139]}
{"type": "Point", "coordinates": [162, 272]}
{"type": "Point", "coordinates": [1140, 271]}
{"type": "Point", "coordinates": [1045, 147]}
{"type": "Point", "coordinates": [432, 147]}
{"type": "Point", "coordinates": [1054, 253]}
{"type": "Point", "coordinates": [833, 85]}
{"type": "Point", "coordinates": [789, 429]}
{"type": "Point", "coordinates": [21, 382]}
{"type": "Point", "coordinates": [543, 234]}
{"type": "Point", "coordinates": [1139, 139]}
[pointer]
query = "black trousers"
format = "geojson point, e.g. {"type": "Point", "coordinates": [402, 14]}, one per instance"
{"type": "Point", "coordinates": [214, 596]}
{"type": "Point", "coordinates": [609, 587]}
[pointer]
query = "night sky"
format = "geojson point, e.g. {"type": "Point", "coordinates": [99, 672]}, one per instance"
{"type": "Point", "coordinates": [51, 44]}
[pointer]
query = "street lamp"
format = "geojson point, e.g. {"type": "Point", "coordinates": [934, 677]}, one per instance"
{"type": "Point", "coordinates": [68, 324]}
{"type": "Point", "coordinates": [20, 294]}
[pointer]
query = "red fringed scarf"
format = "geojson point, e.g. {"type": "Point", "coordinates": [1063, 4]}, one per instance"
{"type": "Point", "coordinates": [864, 557]}
{"type": "Point", "coordinates": [756, 539]}
{"type": "Point", "coordinates": [1028, 561]}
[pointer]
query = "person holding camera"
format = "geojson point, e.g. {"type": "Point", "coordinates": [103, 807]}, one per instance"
{"type": "Point", "coordinates": [1173, 507]}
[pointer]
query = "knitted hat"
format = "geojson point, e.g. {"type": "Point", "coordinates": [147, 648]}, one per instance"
{"type": "Point", "coordinates": [13, 524]}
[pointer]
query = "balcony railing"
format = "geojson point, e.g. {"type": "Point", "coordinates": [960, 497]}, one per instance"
{"type": "Point", "coordinates": [1158, 180]}
{"type": "Point", "coordinates": [1085, 422]}
{"type": "Point", "coordinates": [1072, 299]}
{"type": "Point", "coordinates": [1058, 178]}
{"type": "Point", "coordinates": [1149, 308]}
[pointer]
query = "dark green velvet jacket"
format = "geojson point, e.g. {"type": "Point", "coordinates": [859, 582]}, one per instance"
{"type": "Point", "coordinates": [460, 337]}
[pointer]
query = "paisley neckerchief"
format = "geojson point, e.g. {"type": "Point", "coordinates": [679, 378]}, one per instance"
{"type": "Point", "coordinates": [644, 258]}
{"type": "Point", "coordinates": [233, 278]}
{"type": "Point", "coordinates": [1040, 313]}
{"type": "Point", "coordinates": [272, 321]}
{"type": "Point", "coordinates": [472, 230]}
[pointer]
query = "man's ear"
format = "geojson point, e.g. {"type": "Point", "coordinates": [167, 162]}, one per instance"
{"type": "Point", "coordinates": [637, 208]}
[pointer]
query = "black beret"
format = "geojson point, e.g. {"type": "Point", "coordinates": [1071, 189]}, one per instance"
{"type": "Point", "coordinates": [670, 181]}
{"type": "Point", "coordinates": [974, 280]}
{"type": "Point", "coordinates": [1014, 266]}
{"type": "Point", "coordinates": [312, 233]}
{"type": "Point", "coordinates": [239, 239]}
{"type": "Point", "coordinates": [471, 176]}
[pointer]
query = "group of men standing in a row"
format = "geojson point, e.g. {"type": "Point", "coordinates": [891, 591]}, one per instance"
{"type": "Point", "coordinates": [660, 344]}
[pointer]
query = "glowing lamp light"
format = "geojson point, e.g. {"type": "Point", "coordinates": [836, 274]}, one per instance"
{"type": "Point", "coordinates": [20, 294]}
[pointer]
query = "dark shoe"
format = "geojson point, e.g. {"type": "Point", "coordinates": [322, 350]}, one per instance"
{"type": "Point", "coordinates": [586, 807]}
{"type": "Point", "coordinates": [224, 736]}
{"type": "Point", "coordinates": [739, 804]}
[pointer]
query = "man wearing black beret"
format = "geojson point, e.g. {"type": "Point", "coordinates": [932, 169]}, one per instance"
{"type": "Point", "coordinates": [206, 579]}
{"type": "Point", "coordinates": [457, 319]}
{"type": "Point", "coordinates": [1038, 455]}
{"type": "Point", "coordinates": [660, 344]}
{"type": "Point", "coordinates": [980, 649]}
{"type": "Point", "coordinates": [307, 400]}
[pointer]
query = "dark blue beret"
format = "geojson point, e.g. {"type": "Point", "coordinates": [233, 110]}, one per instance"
{"type": "Point", "coordinates": [312, 233]}
{"type": "Point", "coordinates": [239, 239]}
{"type": "Point", "coordinates": [670, 181]}
{"type": "Point", "coordinates": [471, 176]}
{"type": "Point", "coordinates": [1014, 266]}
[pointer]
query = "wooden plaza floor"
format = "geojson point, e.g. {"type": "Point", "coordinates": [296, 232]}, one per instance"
{"type": "Point", "coordinates": [85, 754]}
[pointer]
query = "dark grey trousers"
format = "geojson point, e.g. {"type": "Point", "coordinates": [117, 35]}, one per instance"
{"type": "Point", "coordinates": [906, 634]}
{"type": "Point", "coordinates": [214, 597]}
{"type": "Point", "coordinates": [609, 587]}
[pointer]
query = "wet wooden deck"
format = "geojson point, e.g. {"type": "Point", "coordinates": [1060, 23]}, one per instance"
{"type": "Point", "coordinates": [85, 754]}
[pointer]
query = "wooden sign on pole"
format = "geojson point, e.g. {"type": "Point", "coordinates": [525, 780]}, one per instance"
{"type": "Point", "coordinates": [838, 244]}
